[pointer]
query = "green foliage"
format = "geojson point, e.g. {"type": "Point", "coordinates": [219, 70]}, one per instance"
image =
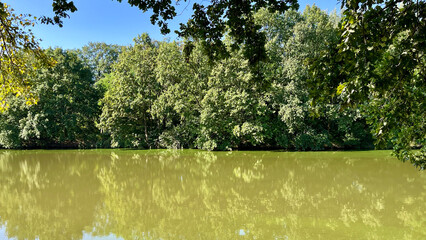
{"type": "Point", "coordinates": [100, 57]}
{"type": "Point", "coordinates": [133, 89]}
{"type": "Point", "coordinates": [231, 108]}
{"type": "Point", "coordinates": [158, 97]}
{"type": "Point", "coordinates": [380, 63]}
{"type": "Point", "coordinates": [398, 114]}
{"type": "Point", "coordinates": [66, 111]}
{"type": "Point", "coordinates": [20, 55]}
{"type": "Point", "coordinates": [9, 123]}
{"type": "Point", "coordinates": [183, 83]}
{"type": "Point", "coordinates": [293, 39]}
{"type": "Point", "coordinates": [300, 81]}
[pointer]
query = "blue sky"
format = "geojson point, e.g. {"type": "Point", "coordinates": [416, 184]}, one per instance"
{"type": "Point", "coordinates": [110, 21]}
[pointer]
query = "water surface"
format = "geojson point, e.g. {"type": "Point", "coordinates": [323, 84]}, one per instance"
{"type": "Point", "coordinates": [189, 194]}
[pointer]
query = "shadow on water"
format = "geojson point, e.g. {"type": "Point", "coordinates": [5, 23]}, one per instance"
{"type": "Point", "coordinates": [189, 194]}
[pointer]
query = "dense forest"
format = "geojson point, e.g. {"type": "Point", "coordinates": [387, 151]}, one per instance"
{"type": "Point", "coordinates": [151, 95]}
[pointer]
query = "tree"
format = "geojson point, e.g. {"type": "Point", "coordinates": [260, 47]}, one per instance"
{"type": "Point", "coordinates": [232, 108]}
{"type": "Point", "coordinates": [17, 49]}
{"type": "Point", "coordinates": [100, 57]}
{"type": "Point", "coordinates": [66, 111]}
{"type": "Point", "coordinates": [184, 83]}
{"type": "Point", "coordinates": [380, 64]}
{"type": "Point", "coordinates": [293, 38]}
{"type": "Point", "coordinates": [133, 89]}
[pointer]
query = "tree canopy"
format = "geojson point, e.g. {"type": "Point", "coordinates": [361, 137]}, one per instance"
{"type": "Point", "coordinates": [209, 22]}
{"type": "Point", "coordinates": [380, 63]}
{"type": "Point", "coordinates": [65, 113]}
{"type": "Point", "coordinates": [18, 46]}
{"type": "Point", "coordinates": [156, 97]}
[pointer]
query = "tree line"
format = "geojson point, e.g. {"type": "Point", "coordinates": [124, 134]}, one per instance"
{"type": "Point", "coordinates": [152, 95]}
{"type": "Point", "coordinates": [314, 82]}
{"type": "Point", "coordinates": [377, 65]}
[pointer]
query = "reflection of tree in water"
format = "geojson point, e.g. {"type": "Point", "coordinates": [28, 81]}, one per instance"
{"type": "Point", "coordinates": [47, 195]}
{"type": "Point", "coordinates": [210, 195]}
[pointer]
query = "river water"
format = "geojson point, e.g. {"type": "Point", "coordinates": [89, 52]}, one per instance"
{"type": "Point", "coordinates": [190, 194]}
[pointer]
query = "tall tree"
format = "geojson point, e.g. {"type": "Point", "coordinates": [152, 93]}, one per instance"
{"type": "Point", "coordinates": [133, 89]}
{"type": "Point", "coordinates": [380, 63]}
{"type": "Point", "coordinates": [183, 85]}
{"type": "Point", "coordinates": [66, 111]}
{"type": "Point", "coordinates": [293, 38]}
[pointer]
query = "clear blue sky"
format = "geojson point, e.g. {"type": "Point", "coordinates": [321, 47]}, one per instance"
{"type": "Point", "coordinates": [110, 21]}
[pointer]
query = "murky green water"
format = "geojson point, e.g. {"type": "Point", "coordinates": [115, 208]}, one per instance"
{"type": "Point", "coordinates": [105, 194]}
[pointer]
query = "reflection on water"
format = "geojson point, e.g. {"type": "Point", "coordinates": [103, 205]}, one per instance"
{"type": "Point", "coordinates": [188, 194]}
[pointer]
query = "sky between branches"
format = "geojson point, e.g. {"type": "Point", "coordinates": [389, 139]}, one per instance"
{"type": "Point", "coordinates": [111, 22]}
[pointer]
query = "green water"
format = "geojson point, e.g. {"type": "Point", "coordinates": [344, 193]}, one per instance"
{"type": "Point", "coordinates": [188, 194]}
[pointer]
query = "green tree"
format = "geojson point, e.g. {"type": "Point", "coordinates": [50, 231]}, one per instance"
{"type": "Point", "coordinates": [293, 38]}
{"type": "Point", "coordinates": [133, 89]}
{"type": "Point", "coordinates": [183, 85]}
{"type": "Point", "coordinates": [66, 111]}
{"type": "Point", "coordinates": [158, 97]}
{"type": "Point", "coordinates": [100, 57]}
{"type": "Point", "coordinates": [380, 64]}
{"type": "Point", "coordinates": [232, 108]}
{"type": "Point", "coordinates": [18, 48]}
